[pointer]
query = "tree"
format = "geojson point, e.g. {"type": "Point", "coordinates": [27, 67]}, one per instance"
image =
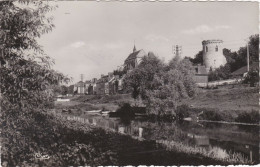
{"type": "Point", "coordinates": [252, 77]}
{"type": "Point", "coordinates": [175, 84]}
{"type": "Point", "coordinates": [141, 78]}
{"type": "Point", "coordinates": [240, 57]}
{"type": "Point", "coordinates": [26, 75]}
{"type": "Point", "coordinates": [221, 73]}
{"type": "Point", "coordinates": [161, 86]}
{"type": "Point", "coordinates": [198, 58]}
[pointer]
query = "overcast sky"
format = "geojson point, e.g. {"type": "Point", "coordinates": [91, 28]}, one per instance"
{"type": "Point", "coordinates": [93, 38]}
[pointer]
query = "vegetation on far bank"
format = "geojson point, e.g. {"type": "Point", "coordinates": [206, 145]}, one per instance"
{"type": "Point", "coordinates": [232, 104]}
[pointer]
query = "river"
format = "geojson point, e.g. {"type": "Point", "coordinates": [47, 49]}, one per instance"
{"type": "Point", "coordinates": [209, 138]}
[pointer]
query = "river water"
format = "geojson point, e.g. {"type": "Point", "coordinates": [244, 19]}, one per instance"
{"type": "Point", "coordinates": [220, 139]}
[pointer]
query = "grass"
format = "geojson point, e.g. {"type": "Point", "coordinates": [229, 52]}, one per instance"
{"type": "Point", "coordinates": [214, 153]}
{"type": "Point", "coordinates": [226, 101]}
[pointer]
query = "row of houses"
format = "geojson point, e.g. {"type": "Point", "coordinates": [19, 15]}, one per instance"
{"type": "Point", "coordinates": [107, 84]}
{"type": "Point", "coordinates": [111, 83]}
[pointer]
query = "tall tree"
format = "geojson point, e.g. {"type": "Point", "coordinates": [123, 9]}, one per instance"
{"type": "Point", "coordinates": [162, 86]}
{"type": "Point", "coordinates": [26, 76]}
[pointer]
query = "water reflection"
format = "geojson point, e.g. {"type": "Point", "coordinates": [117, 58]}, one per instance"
{"type": "Point", "coordinates": [216, 140]}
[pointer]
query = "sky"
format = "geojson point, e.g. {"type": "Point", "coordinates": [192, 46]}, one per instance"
{"type": "Point", "coordinates": [94, 38]}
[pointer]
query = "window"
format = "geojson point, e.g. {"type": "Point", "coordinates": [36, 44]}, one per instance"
{"type": "Point", "coordinates": [216, 49]}
{"type": "Point", "coordinates": [206, 49]}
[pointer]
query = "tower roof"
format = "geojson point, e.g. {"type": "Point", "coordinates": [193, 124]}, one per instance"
{"type": "Point", "coordinates": [212, 41]}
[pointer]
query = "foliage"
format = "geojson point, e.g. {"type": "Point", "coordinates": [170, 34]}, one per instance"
{"type": "Point", "coordinates": [211, 115]}
{"type": "Point", "coordinates": [251, 117]}
{"type": "Point", "coordinates": [141, 78]}
{"type": "Point", "coordinates": [27, 79]}
{"type": "Point", "coordinates": [252, 77]}
{"type": "Point", "coordinates": [198, 58]}
{"type": "Point", "coordinates": [221, 73]}
{"type": "Point", "coordinates": [238, 59]}
{"type": "Point", "coordinates": [120, 73]}
{"type": "Point", "coordinates": [182, 112]}
{"type": "Point", "coordinates": [161, 86]}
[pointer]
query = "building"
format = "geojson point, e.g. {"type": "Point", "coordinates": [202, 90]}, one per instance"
{"type": "Point", "coordinates": [87, 85]}
{"type": "Point", "coordinates": [133, 60]}
{"type": "Point", "coordinates": [79, 87]}
{"type": "Point", "coordinates": [201, 75]}
{"type": "Point", "coordinates": [101, 83]}
{"type": "Point", "coordinates": [213, 54]}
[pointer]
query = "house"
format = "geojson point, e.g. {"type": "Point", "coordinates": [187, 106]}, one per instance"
{"type": "Point", "coordinates": [201, 75]}
{"type": "Point", "coordinates": [87, 85]}
{"type": "Point", "coordinates": [100, 88]}
{"type": "Point", "coordinates": [92, 87]}
{"type": "Point", "coordinates": [133, 60]}
{"type": "Point", "coordinates": [79, 87]}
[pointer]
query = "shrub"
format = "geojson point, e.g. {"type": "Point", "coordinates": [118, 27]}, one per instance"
{"type": "Point", "coordinates": [182, 111]}
{"type": "Point", "coordinates": [124, 111]}
{"type": "Point", "coordinates": [245, 117]}
{"type": "Point", "coordinates": [211, 115]}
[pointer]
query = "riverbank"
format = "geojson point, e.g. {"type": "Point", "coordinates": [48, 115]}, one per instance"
{"type": "Point", "coordinates": [226, 104]}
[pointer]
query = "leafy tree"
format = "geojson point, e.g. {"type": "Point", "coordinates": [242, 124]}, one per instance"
{"type": "Point", "coordinates": [238, 59]}
{"type": "Point", "coordinates": [141, 78]}
{"type": "Point", "coordinates": [252, 77]}
{"type": "Point", "coordinates": [71, 89]}
{"type": "Point", "coordinates": [198, 58]}
{"type": "Point", "coordinates": [161, 86]}
{"type": "Point", "coordinates": [26, 75]}
{"type": "Point", "coordinates": [221, 73]}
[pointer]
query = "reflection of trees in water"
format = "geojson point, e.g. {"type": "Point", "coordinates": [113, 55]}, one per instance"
{"type": "Point", "coordinates": [251, 129]}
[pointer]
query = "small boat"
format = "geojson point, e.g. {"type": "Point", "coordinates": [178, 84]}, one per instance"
{"type": "Point", "coordinates": [105, 113]}
{"type": "Point", "coordinates": [187, 119]}
{"type": "Point", "coordinates": [93, 111]}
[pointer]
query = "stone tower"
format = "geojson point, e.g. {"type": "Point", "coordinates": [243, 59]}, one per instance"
{"type": "Point", "coordinates": [213, 54]}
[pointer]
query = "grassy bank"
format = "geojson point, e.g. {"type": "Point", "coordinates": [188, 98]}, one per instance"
{"type": "Point", "coordinates": [226, 103]}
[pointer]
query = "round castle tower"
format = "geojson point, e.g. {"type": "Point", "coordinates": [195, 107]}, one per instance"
{"type": "Point", "coordinates": [213, 54]}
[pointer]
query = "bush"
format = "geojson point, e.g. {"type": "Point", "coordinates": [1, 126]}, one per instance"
{"type": "Point", "coordinates": [211, 115]}
{"type": "Point", "coordinates": [245, 117]}
{"type": "Point", "coordinates": [182, 111]}
{"type": "Point", "coordinates": [124, 111]}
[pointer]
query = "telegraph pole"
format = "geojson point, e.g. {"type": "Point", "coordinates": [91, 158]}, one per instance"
{"type": "Point", "coordinates": [81, 77]}
{"type": "Point", "coordinates": [177, 50]}
{"type": "Point", "coordinates": [247, 57]}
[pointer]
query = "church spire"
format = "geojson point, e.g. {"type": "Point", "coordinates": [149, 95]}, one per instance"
{"type": "Point", "coordinates": [134, 50]}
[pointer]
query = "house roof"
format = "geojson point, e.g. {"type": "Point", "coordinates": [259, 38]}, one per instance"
{"type": "Point", "coordinates": [242, 70]}
{"type": "Point", "coordinates": [132, 55]}
{"type": "Point", "coordinates": [87, 82]}
{"type": "Point", "coordinates": [79, 84]}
